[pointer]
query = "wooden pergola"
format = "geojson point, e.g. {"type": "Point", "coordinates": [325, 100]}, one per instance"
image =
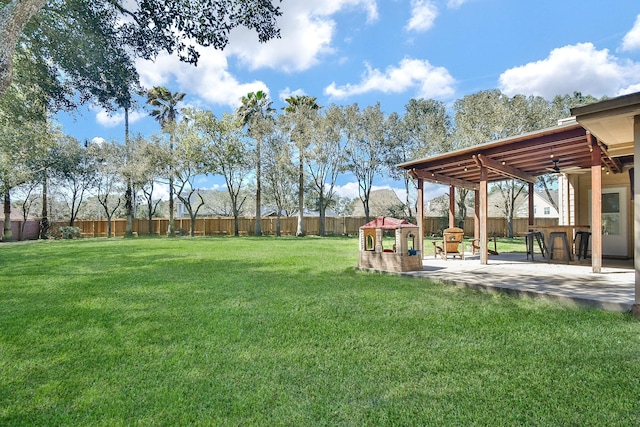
{"type": "Point", "coordinates": [564, 148]}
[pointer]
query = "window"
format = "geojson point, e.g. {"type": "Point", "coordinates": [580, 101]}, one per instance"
{"type": "Point", "coordinates": [370, 243]}
{"type": "Point", "coordinates": [547, 210]}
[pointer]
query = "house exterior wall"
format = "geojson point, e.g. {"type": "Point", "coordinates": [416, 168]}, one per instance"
{"type": "Point", "coordinates": [582, 183]}
{"type": "Point", "coordinates": [539, 206]}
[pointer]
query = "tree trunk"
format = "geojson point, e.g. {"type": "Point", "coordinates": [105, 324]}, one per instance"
{"type": "Point", "coordinates": [7, 233]}
{"type": "Point", "coordinates": [365, 205]}
{"type": "Point", "coordinates": [236, 229]}
{"type": "Point", "coordinates": [150, 223]}
{"type": "Point", "coordinates": [548, 193]}
{"type": "Point", "coordinates": [44, 222]}
{"type": "Point", "coordinates": [13, 18]}
{"type": "Point", "coordinates": [258, 229]}
{"type": "Point", "coordinates": [278, 232]}
{"type": "Point", "coordinates": [128, 194]}
{"type": "Point", "coordinates": [300, 231]}
{"type": "Point", "coordinates": [172, 228]}
{"type": "Point", "coordinates": [407, 201]}
{"type": "Point", "coordinates": [322, 216]}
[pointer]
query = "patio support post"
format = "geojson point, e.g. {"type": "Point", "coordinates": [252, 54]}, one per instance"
{"type": "Point", "coordinates": [636, 210]}
{"type": "Point", "coordinates": [420, 216]}
{"type": "Point", "coordinates": [596, 205]}
{"type": "Point", "coordinates": [484, 254]}
{"type": "Point", "coordinates": [531, 190]}
{"type": "Point", "coordinates": [452, 206]}
{"type": "Point", "coordinates": [476, 215]}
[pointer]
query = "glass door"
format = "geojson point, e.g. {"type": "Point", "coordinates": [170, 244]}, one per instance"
{"type": "Point", "coordinates": [614, 221]}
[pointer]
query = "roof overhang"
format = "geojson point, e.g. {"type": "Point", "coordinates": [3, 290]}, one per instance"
{"type": "Point", "coordinates": [611, 121]}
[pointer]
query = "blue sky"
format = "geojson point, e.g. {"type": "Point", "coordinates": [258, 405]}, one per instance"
{"type": "Point", "coordinates": [389, 51]}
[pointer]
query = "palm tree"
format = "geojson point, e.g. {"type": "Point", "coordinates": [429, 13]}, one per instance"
{"type": "Point", "coordinates": [256, 113]}
{"type": "Point", "coordinates": [166, 114]}
{"type": "Point", "coordinates": [302, 111]}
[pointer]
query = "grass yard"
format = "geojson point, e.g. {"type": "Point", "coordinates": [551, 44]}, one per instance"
{"type": "Point", "coordinates": [249, 331]}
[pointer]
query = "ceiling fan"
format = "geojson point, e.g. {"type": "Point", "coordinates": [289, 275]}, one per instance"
{"type": "Point", "coordinates": [555, 168]}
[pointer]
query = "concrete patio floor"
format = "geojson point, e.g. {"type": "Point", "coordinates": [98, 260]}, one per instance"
{"type": "Point", "coordinates": [613, 289]}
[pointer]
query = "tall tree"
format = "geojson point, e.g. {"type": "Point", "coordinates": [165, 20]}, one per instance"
{"type": "Point", "coordinates": [257, 114]}
{"type": "Point", "coordinates": [280, 175]}
{"type": "Point", "coordinates": [325, 159]}
{"type": "Point", "coordinates": [24, 133]}
{"type": "Point", "coordinates": [191, 162]}
{"type": "Point", "coordinates": [149, 159]}
{"type": "Point", "coordinates": [301, 114]}
{"type": "Point", "coordinates": [366, 147]}
{"type": "Point", "coordinates": [228, 155]}
{"type": "Point", "coordinates": [142, 27]}
{"type": "Point", "coordinates": [424, 130]}
{"type": "Point", "coordinates": [75, 173]}
{"type": "Point", "coordinates": [166, 112]}
{"type": "Point", "coordinates": [109, 159]}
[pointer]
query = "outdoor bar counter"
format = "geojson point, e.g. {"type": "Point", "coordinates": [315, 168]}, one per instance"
{"type": "Point", "coordinates": [559, 251]}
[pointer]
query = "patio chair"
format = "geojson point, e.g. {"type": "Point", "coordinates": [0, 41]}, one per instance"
{"type": "Point", "coordinates": [475, 246]}
{"type": "Point", "coordinates": [452, 244]}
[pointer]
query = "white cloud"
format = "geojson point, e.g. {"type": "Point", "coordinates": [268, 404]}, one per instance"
{"type": "Point", "coordinates": [160, 191]}
{"type": "Point", "coordinates": [629, 89]}
{"type": "Point", "coordinates": [423, 15]}
{"type": "Point", "coordinates": [631, 40]}
{"type": "Point", "coordinates": [209, 81]}
{"type": "Point", "coordinates": [304, 38]}
{"type": "Point", "coordinates": [286, 93]}
{"type": "Point", "coordinates": [111, 119]}
{"type": "Point", "coordinates": [307, 31]}
{"type": "Point", "coordinates": [427, 80]}
{"type": "Point", "coordinates": [350, 190]}
{"type": "Point", "coordinates": [98, 140]}
{"type": "Point", "coordinates": [579, 67]}
{"type": "Point", "coordinates": [454, 4]}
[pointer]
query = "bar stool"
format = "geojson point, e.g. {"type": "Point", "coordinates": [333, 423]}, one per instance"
{"type": "Point", "coordinates": [583, 245]}
{"type": "Point", "coordinates": [537, 235]}
{"type": "Point", "coordinates": [565, 244]}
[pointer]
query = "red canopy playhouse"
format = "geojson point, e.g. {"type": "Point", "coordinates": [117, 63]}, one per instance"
{"type": "Point", "coordinates": [389, 244]}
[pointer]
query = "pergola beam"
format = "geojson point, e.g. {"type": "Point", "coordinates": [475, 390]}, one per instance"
{"type": "Point", "coordinates": [612, 163]}
{"type": "Point", "coordinates": [504, 169]}
{"type": "Point", "coordinates": [442, 179]}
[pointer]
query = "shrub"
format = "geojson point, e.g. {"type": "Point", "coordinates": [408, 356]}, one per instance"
{"type": "Point", "coordinates": [68, 232]}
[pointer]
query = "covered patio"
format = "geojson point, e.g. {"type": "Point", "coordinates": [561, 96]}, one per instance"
{"type": "Point", "coordinates": [601, 140]}
{"type": "Point", "coordinates": [512, 273]}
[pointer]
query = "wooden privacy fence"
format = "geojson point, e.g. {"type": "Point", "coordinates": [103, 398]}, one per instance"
{"type": "Point", "coordinates": [334, 226]}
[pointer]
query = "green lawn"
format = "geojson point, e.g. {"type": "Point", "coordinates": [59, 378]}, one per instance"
{"type": "Point", "coordinates": [247, 331]}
